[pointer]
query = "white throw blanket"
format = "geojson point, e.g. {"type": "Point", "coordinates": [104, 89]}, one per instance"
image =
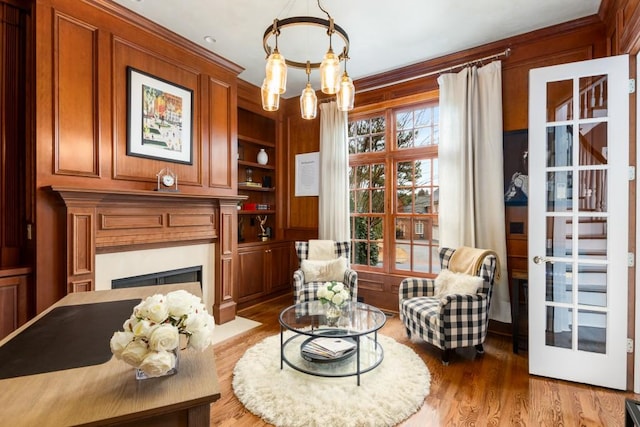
{"type": "Point", "coordinates": [322, 250]}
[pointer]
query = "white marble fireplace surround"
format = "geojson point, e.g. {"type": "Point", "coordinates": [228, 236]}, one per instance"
{"type": "Point", "coordinates": [118, 265]}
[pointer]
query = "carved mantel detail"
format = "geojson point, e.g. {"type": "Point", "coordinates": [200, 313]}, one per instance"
{"type": "Point", "coordinates": [102, 221]}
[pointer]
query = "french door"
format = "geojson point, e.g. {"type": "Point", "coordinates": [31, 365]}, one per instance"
{"type": "Point", "coordinates": [578, 221]}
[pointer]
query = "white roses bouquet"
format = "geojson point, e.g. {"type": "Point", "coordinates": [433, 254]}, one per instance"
{"type": "Point", "coordinates": [151, 335]}
{"type": "Point", "coordinates": [333, 293]}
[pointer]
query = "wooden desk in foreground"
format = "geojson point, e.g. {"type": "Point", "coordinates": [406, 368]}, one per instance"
{"type": "Point", "coordinates": [109, 393]}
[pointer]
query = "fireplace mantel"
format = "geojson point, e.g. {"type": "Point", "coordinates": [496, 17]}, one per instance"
{"type": "Point", "coordinates": [104, 220]}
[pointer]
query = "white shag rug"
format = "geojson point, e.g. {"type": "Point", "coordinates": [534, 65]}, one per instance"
{"type": "Point", "coordinates": [387, 395]}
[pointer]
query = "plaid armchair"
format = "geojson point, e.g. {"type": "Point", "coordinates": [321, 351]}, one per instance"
{"type": "Point", "coordinates": [452, 321]}
{"type": "Point", "coordinates": [303, 292]}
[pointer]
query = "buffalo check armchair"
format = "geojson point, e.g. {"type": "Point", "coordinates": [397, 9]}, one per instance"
{"type": "Point", "coordinates": [305, 289]}
{"type": "Point", "coordinates": [451, 321]}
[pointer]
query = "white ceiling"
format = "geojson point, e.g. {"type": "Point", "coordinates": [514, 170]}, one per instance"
{"type": "Point", "coordinates": [404, 32]}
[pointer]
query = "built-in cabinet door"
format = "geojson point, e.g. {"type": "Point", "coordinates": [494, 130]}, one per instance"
{"type": "Point", "coordinates": [251, 273]}
{"type": "Point", "coordinates": [280, 264]}
{"type": "Point", "coordinates": [578, 221]}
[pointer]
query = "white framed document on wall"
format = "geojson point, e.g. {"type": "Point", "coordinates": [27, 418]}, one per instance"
{"type": "Point", "coordinates": [308, 174]}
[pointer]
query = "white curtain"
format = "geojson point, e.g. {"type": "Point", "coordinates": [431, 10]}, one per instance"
{"type": "Point", "coordinates": [334, 174]}
{"type": "Point", "coordinates": [471, 179]}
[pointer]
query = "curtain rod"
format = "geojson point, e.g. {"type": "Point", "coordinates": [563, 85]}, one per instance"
{"type": "Point", "coordinates": [506, 53]}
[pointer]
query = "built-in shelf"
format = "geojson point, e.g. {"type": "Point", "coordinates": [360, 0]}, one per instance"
{"type": "Point", "coordinates": [255, 165]}
{"type": "Point", "coordinates": [257, 212]}
{"type": "Point", "coordinates": [251, 188]}
{"type": "Point", "coordinates": [257, 141]}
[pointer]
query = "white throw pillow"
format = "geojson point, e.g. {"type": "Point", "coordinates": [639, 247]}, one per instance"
{"type": "Point", "coordinates": [324, 271]}
{"type": "Point", "coordinates": [448, 283]}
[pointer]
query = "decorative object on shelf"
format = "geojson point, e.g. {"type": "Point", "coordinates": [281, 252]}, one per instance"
{"type": "Point", "coordinates": [167, 180]}
{"type": "Point", "coordinates": [248, 173]}
{"type": "Point", "coordinates": [263, 232]}
{"type": "Point", "coordinates": [330, 81]}
{"type": "Point", "coordinates": [151, 336]}
{"type": "Point", "coordinates": [159, 119]}
{"type": "Point", "coordinates": [263, 157]}
{"type": "Point", "coordinates": [266, 181]}
{"type": "Point", "coordinates": [333, 295]}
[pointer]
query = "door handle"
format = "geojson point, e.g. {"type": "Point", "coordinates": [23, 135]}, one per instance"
{"type": "Point", "coordinates": [541, 260]}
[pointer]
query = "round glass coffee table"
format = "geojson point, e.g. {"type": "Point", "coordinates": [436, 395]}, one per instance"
{"type": "Point", "coordinates": [357, 328]}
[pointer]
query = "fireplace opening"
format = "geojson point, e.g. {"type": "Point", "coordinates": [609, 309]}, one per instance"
{"type": "Point", "coordinates": [180, 275]}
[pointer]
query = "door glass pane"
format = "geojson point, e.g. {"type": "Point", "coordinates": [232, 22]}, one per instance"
{"type": "Point", "coordinates": [593, 96]}
{"type": "Point", "coordinates": [558, 329]}
{"type": "Point", "coordinates": [560, 146]}
{"type": "Point", "coordinates": [559, 279]}
{"type": "Point", "coordinates": [592, 285]}
{"type": "Point", "coordinates": [559, 100]}
{"type": "Point", "coordinates": [593, 144]}
{"type": "Point", "coordinates": [592, 238]}
{"type": "Point", "coordinates": [593, 190]}
{"type": "Point", "coordinates": [592, 331]}
{"type": "Point", "coordinates": [559, 188]}
{"type": "Point", "coordinates": [559, 236]}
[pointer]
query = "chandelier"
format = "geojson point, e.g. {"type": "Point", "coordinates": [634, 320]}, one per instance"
{"type": "Point", "coordinates": [331, 82]}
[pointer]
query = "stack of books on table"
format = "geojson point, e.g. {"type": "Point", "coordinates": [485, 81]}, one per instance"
{"type": "Point", "coordinates": [250, 184]}
{"type": "Point", "coordinates": [330, 348]}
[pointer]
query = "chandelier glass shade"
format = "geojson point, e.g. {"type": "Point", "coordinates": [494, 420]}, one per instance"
{"type": "Point", "coordinates": [308, 103]}
{"type": "Point", "coordinates": [270, 100]}
{"type": "Point", "coordinates": [329, 73]}
{"type": "Point", "coordinates": [276, 72]}
{"type": "Point", "coordinates": [346, 93]}
{"type": "Point", "coordinates": [330, 81]}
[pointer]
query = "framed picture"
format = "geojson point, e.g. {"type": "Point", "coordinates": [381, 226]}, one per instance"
{"type": "Point", "coordinates": [160, 118]}
{"type": "Point", "coordinates": [516, 167]}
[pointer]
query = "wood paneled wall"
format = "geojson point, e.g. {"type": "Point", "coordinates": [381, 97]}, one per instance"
{"type": "Point", "coordinates": [83, 51]}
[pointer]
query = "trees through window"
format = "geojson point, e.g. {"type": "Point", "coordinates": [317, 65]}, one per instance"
{"type": "Point", "coordinates": [393, 179]}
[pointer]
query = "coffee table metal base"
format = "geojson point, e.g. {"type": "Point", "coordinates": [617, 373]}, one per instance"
{"type": "Point", "coordinates": [368, 355]}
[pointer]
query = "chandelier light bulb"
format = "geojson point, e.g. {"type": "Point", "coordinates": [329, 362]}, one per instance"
{"type": "Point", "coordinates": [308, 103]}
{"type": "Point", "coordinates": [276, 73]}
{"type": "Point", "coordinates": [329, 72]}
{"type": "Point", "coordinates": [346, 93]}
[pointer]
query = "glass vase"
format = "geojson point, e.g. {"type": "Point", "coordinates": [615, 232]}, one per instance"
{"type": "Point", "coordinates": [332, 313]}
{"type": "Point", "coordinates": [141, 375]}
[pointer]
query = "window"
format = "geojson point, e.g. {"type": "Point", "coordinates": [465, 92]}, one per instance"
{"type": "Point", "coordinates": [393, 179]}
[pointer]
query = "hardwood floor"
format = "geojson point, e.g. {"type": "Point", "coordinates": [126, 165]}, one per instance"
{"type": "Point", "coordinates": [492, 390]}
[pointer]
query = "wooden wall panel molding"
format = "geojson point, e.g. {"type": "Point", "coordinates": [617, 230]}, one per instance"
{"type": "Point", "coordinates": [80, 286]}
{"type": "Point", "coordinates": [75, 97]}
{"type": "Point", "coordinates": [222, 134]}
{"type": "Point", "coordinates": [224, 307]}
{"type": "Point", "coordinates": [191, 220]}
{"type": "Point", "coordinates": [82, 241]}
{"type": "Point", "coordinates": [131, 168]}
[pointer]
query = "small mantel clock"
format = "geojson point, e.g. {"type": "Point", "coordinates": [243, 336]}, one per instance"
{"type": "Point", "coordinates": [167, 180]}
